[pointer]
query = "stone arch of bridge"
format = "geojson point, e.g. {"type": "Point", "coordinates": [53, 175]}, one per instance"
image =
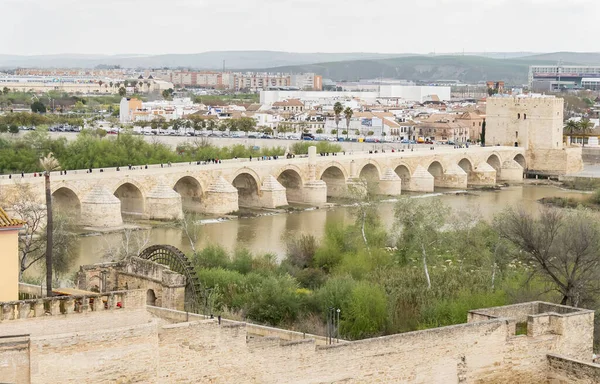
{"type": "Point", "coordinates": [335, 176]}
{"type": "Point", "coordinates": [191, 192]}
{"type": "Point", "coordinates": [466, 164]}
{"type": "Point", "coordinates": [66, 202]}
{"type": "Point", "coordinates": [132, 199]}
{"type": "Point", "coordinates": [404, 173]}
{"type": "Point", "coordinates": [370, 171]}
{"type": "Point", "coordinates": [332, 164]}
{"type": "Point", "coordinates": [496, 163]}
{"type": "Point", "coordinates": [436, 169]}
{"type": "Point", "coordinates": [519, 158]}
{"type": "Point", "coordinates": [247, 182]}
{"type": "Point", "coordinates": [291, 178]}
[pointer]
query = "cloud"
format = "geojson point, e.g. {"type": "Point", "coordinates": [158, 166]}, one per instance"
{"type": "Point", "coordinates": [190, 26]}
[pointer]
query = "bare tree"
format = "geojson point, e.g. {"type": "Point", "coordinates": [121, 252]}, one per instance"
{"type": "Point", "coordinates": [563, 248]}
{"type": "Point", "coordinates": [32, 241]}
{"type": "Point", "coordinates": [420, 223]}
{"type": "Point", "coordinates": [131, 243]}
{"type": "Point", "coordinates": [25, 205]}
{"type": "Point", "coordinates": [190, 225]}
{"type": "Point", "coordinates": [362, 193]}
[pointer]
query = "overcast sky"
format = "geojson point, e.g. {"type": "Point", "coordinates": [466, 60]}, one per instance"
{"type": "Point", "coordinates": [387, 26]}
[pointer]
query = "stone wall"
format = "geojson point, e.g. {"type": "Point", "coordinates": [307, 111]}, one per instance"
{"type": "Point", "coordinates": [131, 345]}
{"type": "Point", "coordinates": [168, 287]}
{"type": "Point", "coordinates": [563, 370]}
{"type": "Point", "coordinates": [555, 162]}
{"type": "Point", "coordinates": [14, 359]}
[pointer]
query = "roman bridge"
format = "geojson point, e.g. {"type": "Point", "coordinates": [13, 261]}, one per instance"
{"type": "Point", "coordinates": [102, 199]}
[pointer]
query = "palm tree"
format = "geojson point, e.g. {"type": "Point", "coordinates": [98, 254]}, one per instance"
{"type": "Point", "coordinates": [585, 127]}
{"type": "Point", "coordinates": [337, 110]}
{"type": "Point", "coordinates": [49, 164]}
{"type": "Point", "coordinates": [572, 127]}
{"type": "Point", "coordinates": [348, 115]}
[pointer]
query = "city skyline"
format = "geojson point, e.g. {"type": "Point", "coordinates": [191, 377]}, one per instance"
{"type": "Point", "coordinates": [153, 27]}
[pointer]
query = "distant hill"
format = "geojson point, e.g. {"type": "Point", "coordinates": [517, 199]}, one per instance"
{"type": "Point", "coordinates": [206, 60]}
{"type": "Point", "coordinates": [511, 67]}
{"type": "Point", "coordinates": [431, 68]}
{"type": "Point", "coordinates": [590, 58]}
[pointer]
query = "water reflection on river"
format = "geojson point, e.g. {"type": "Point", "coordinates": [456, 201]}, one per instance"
{"type": "Point", "coordinates": [269, 233]}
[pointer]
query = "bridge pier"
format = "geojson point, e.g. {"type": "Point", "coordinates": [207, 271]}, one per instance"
{"type": "Point", "coordinates": [454, 177]}
{"type": "Point", "coordinates": [511, 171]}
{"type": "Point", "coordinates": [484, 174]}
{"type": "Point", "coordinates": [100, 208]}
{"type": "Point", "coordinates": [272, 194]}
{"type": "Point", "coordinates": [220, 198]}
{"type": "Point", "coordinates": [163, 203]}
{"type": "Point", "coordinates": [315, 192]}
{"type": "Point", "coordinates": [390, 183]}
{"type": "Point", "coordinates": [421, 181]}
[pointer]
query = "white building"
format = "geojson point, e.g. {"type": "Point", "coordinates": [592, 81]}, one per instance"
{"type": "Point", "coordinates": [408, 93]}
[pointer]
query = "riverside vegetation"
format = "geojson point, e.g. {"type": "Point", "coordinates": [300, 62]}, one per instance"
{"type": "Point", "coordinates": [427, 271]}
{"type": "Point", "coordinates": [92, 149]}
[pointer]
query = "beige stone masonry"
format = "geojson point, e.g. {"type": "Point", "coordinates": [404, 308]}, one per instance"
{"type": "Point", "coordinates": [163, 203]}
{"type": "Point", "coordinates": [100, 208]}
{"type": "Point", "coordinates": [272, 193]}
{"type": "Point", "coordinates": [484, 174]}
{"type": "Point", "coordinates": [454, 177]}
{"type": "Point", "coordinates": [421, 180]}
{"type": "Point", "coordinates": [390, 183]}
{"type": "Point", "coordinates": [511, 171]}
{"type": "Point", "coordinates": [220, 198]}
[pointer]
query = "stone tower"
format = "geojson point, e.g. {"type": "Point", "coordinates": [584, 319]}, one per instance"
{"type": "Point", "coordinates": [528, 121]}
{"type": "Point", "coordinates": [533, 122]}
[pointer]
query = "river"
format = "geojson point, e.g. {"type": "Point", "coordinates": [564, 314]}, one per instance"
{"type": "Point", "coordinates": [269, 233]}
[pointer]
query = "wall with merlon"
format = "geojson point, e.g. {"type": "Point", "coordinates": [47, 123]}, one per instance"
{"type": "Point", "coordinates": [563, 370]}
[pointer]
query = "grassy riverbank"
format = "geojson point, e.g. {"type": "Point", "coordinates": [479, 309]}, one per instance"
{"type": "Point", "coordinates": [591, 202]}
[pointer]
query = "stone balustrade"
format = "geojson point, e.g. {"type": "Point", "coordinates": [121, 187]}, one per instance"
{"type": "Point", "coordinates": [70, 305]}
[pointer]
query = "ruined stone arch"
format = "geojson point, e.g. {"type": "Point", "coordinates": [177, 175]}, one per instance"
{"type": "Point", "coordinates": [190, 189]}
{"type": "Point", "coordinates": [66, 201]}
{"type": "Point", "coordinates": [177, 261]}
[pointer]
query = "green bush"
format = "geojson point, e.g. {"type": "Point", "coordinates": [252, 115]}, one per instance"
{"type": "Point", "coordinates": [301, 251]}
{"type": "Point", "coordinates": [242, 261]}
{"type": "Point", "coordinates": [336, 293]}
{"type": "Point", "coordinates": [301, 148]}
{"type": "Point", "coordinates": [212, 256]}
{"type": "Point", "coordinates": [230, 285]}
{"type": "Point", "coordinates": [311, 278]}
{"type": "Point", "coordinates": [366, 315]}
{"type": "Point", "coordinates": [275, 301]}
